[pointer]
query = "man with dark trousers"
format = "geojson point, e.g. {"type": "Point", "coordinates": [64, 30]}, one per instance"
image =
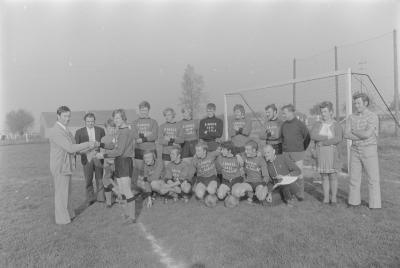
{"type": "Point", "coordinates": [90, 164]}
{"type": "Point", "coordinates": [295, 140]}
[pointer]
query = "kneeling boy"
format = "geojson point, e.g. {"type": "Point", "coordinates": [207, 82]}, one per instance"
{"type": "Point", "coordinates": [204, 165]}
{"type": "Point", "coordinates": [178, 175]}
{"type": "Point", "coordinates": [256, 174]}
{"type": "Point", "coordinates": [152, 177]}
{"type": "Point", "coordinates": [231, 171]}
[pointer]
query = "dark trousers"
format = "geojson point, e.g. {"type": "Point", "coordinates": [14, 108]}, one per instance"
{"type": "Point", "coordinates": [277, 147]}
{"type": "Point", "coordinates": [286, 191]}
{"type": "Point", "coordinates": [90, 170]}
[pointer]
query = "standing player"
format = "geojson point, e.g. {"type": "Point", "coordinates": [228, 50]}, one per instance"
{"type": "Point", "coordinates": [211, 128]}
{"type": "Point", "coordinates": [231, 173]}
{"type": "Point", "coordinates": [145, 131]}
{"type": "Point", "coordinates": [204, 165]}
{"type": "Point", "coordinates": [256, 174]}
{"type": "Point", "coordinates": [178, 175]}
{"type": "Point", "coordinates": [190, 134]}
{"type": "Point", "coordinates": [272, 132]}
{"type": "Point", "coordinates": [109, 141]}
{"type": "Point", "coordinates": [122, 153]}
{"type": "Point", "coordinates": [239, 129]}
{"type": "Point", "coordinates": [169, 134]}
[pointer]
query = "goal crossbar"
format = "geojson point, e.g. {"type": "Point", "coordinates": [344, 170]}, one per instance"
{"type": "Point", "coordinates": [292, 81]}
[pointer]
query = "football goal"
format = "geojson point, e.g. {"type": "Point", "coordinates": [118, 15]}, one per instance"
{"type": "Point", "coordinates": [306, 94]}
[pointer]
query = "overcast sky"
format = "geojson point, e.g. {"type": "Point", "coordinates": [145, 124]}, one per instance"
{"type": "Point", "coordinates": [110, 54]}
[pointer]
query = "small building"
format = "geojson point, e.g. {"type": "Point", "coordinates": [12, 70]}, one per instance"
{"type": "Point", "coordinates": [48, 119]}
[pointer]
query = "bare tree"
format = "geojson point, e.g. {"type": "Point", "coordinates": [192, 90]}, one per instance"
{"type": "Point", "coordinates": [193, 95]}
{"type": "Point", "coordinates": [19, 121]}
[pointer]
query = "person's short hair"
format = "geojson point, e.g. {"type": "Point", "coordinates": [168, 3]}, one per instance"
{"type": "Point", "coordinates": [89, 114]}
{"type": "Point", "coordinates": [361, 95]}
{"type": "Point", "coordinates": [202, 145]}
{"type": "Point", "coordinates": [228, 145]}
{"type": "Point", "coordinates": [62, 109]}
{"type": "Point", "coordinates": [184, 109]}
{"type": "Point", "coordinates": [289, 107]}
{"type": "Point", "coordinates": [120, 112]}
{"type": "Point", "coordinates": [239, 107]}
{"type": "Point", "coordinates": [271, 106]}
{"type": "Point", "coordinates": [253, 144]}
{"type": "Point", "coordinates": [169, 109]}
{"type": "Point", "coordinates": [326, 104]}
{"type": "Point", "coordinates": [268, 146]}
{"type": "Point", "coordinates": [178, 148]}
{"type": "Point", "coordinates": [144, 104]}
{"type": "Point", "coordinates": [149, 152]}
{"type": "Point", "coordinates": [211, 106]}
{"type": "Point", "coordinates": [109, 123]}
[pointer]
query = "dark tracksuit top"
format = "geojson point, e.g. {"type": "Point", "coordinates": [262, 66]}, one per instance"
{"type": "Point", "coordinates": [295, 136]}
{"type": "Point", "coordinates": [211, 128]}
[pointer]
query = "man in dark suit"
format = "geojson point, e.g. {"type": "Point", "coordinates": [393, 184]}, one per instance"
{"type": "Point", "coordinates": [91, 133]}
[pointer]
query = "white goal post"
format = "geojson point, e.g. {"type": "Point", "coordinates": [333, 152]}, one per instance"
{"type": "Point", "coordinates": [348, 93]}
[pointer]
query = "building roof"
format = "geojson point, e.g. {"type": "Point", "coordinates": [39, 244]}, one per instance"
{"type": "Point", "coordinates": [49, 118]}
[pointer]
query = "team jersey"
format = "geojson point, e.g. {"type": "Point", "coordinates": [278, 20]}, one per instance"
{"type": "Point", "coordinates": [240, 136]}
{"type": "Point", "coordinates": [205, 167]}
{"type": "Point", "coordinates": [229, 166]}
{"type": "Point", "coordinates": [179, 171]}
{"type": "Point", "coordinates": [173, 131]}
{"type": "Point", "coordinates": [190, 129]}
{"type": "Point", "coordinates": [272, 131]}
{"type": "Point", "coordinates": [124, 144]}
{"type": "Point", "coordinates": [211, 128]}
{"type": "Point", "coordinates": [147, 129]}
{"type": "Point", "coordinates": [109, 144]}
{"type": "Point", "coordinates": [255, 168]}
{"type": "Point", "coordinates": [155, 171]}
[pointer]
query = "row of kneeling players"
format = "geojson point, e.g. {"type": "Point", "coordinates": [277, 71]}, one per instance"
{"type": "Point", "coordinates": [216, 175]}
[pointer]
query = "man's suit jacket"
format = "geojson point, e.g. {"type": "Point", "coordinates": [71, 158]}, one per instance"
{"type": "Point", "coordinates": [62, 148]}
{"type": "Point", "coordinates": [82, 135]}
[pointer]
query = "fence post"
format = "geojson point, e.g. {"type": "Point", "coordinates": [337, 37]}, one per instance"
{"type": "Point", "coordinates": [294, 84]}
{"type": "Point", "coordinates": [396, 81]}
{"type": "Point", "coordinates": [337, 86]}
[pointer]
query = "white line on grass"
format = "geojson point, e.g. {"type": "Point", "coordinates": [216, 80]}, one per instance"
{"type": "Point", "coordinates": [165, 259]}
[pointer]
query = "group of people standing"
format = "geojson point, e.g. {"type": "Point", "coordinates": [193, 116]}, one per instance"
{"type": "Point", "coordinates": [177, 159]}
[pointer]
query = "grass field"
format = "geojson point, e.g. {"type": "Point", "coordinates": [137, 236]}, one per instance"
{"type": "Point", "coordinates": [191, 235]}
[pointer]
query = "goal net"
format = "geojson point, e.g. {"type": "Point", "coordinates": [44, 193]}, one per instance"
{"type": "Point", "coordinates": [306, 94]}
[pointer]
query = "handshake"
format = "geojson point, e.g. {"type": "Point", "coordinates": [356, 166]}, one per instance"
{"type": "Point", "coordinates": [94, 144]}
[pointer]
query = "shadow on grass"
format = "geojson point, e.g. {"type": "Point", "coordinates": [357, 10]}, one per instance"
{"type": "Point", "coordinates": [80, 209]}
{"type": "Point", "coordinates": [198, 265]}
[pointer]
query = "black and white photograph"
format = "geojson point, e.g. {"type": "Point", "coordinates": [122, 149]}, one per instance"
{"type": "Point", "coordinates": [199, 133]}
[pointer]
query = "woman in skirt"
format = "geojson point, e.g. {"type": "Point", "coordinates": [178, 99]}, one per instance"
{"type": "Point", "coordinates": [327, 134]}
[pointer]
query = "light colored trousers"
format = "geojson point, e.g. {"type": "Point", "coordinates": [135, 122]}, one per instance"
{"type": "Point", "coordinates": [62, 202]}
{"type": "Point", "coordinates": [364, 157]}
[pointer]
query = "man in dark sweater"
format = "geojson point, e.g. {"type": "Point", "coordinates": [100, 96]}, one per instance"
{"type": "Point", "coordinates": [295, 140]}
{"type": "Point", "coordinates": [211, 128]}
